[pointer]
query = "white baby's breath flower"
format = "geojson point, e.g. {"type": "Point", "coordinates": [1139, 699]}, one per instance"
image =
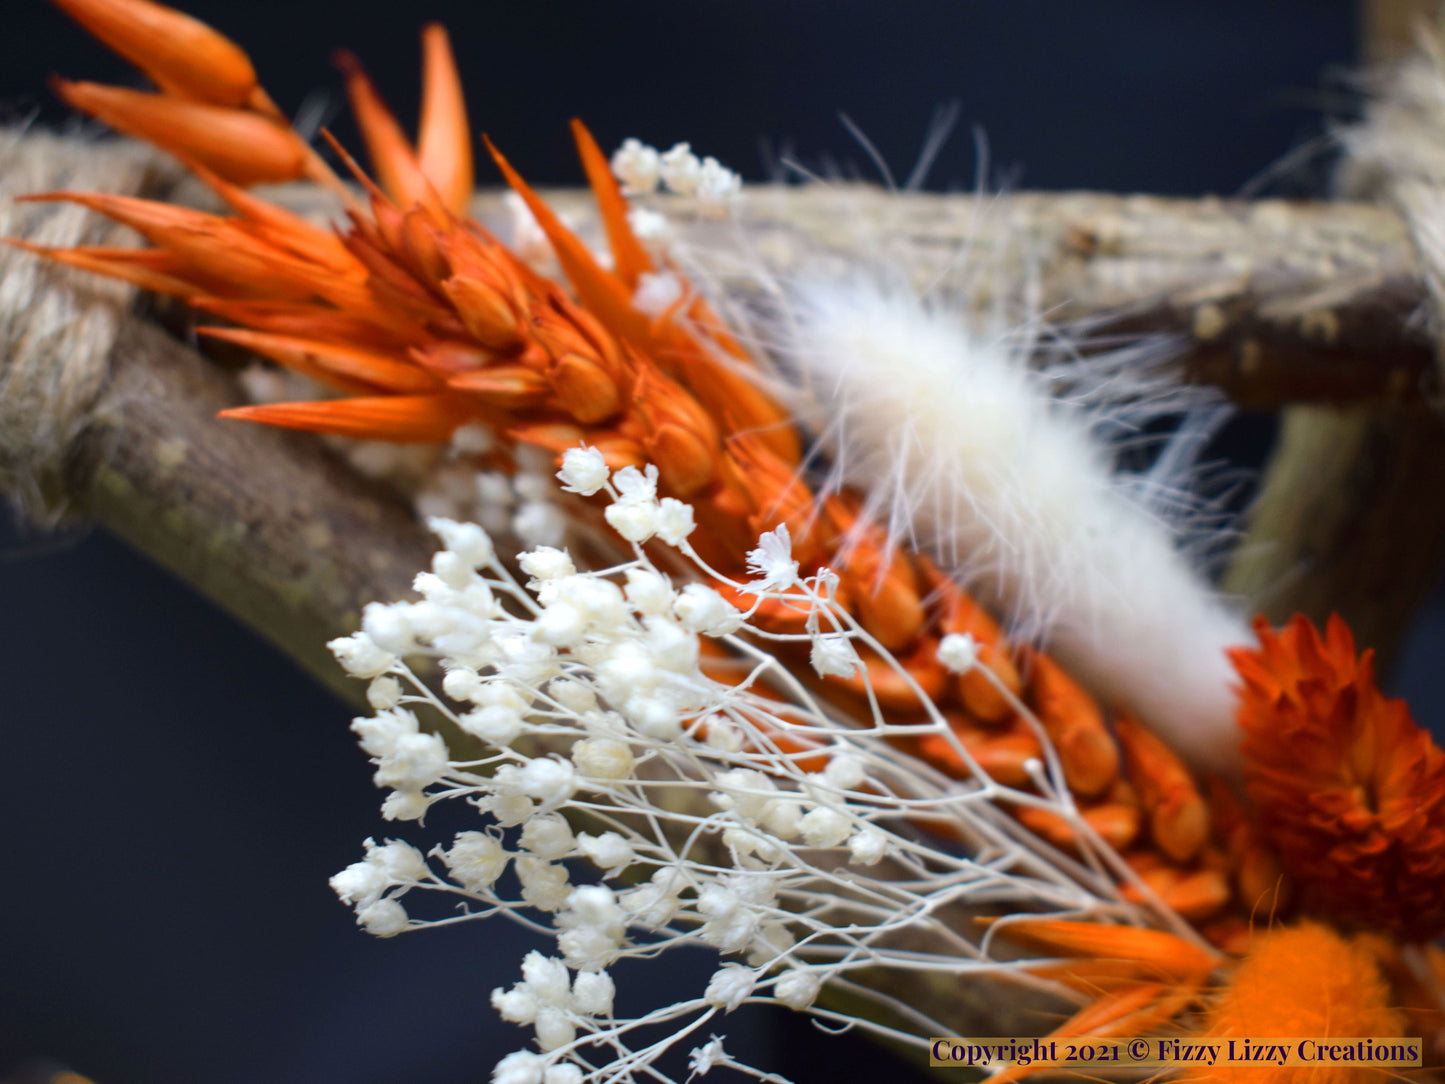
{"type": "Point", "coordinates": [545, 885]}
{"type": "Point", "coordinates": [823, 827]}
{"type": "Point", "coordinates": [414, 762]}
{"type": "Point", "coordinates": [657, 292]}
{"type": "Point", "coordinates": [466, 540]}
{"type": "Point", "coordinates": [360, 884]}
{"type": "Point", "coordinates": [797, 988]}
{"type": "Point", "coordinates": [773, 561]}
{"type": "Point", "coordinates": [648, 592]}
{"type": "Point", "coordinates": [546, 563]}
{"type": "Point", "coordinates": [603, 758]}
{"type": "Point", "coordinates": [550, 781]}
{"type": "Point", "coordinates": [548, 836]}
{"type": "Point", "coordinates": [593, 992]}
{"type": "Point", "coordinates": [702, 1059]}
{"type": "Point", "coordinates": [634, 520]}
{"type": "Point", "coordinates": [564, 1072]}
{"type": "Point", "coordinates": [474, 438]}
{"type": "Point", "coordinates": [609, 851]}
{"type": "Point", "coordinates": [867, 848]}
{"type": "Point", "coordinates": [716, 184]}
{"type": "Point", "coordinates": [835, 656]}
{"type": "Point", "coordinates": [651, 228]}
{"type": "Point", "coordinates": [476, 860]}
{"type": "Point", "coordinates": [845, 770]}
{"type": "Point", "coordinates": [637, 166]}
{"type": "Point", "coordinates": [518, 1005]}
{"type": "Point", "coordinates": [382, 918]}
{"type": "Point", "coordinates": [540, 523]}
{"type": "Point", "coordinates": [399, 861]}
{"type": "Point", "coordinates": [519, 1067]}
{"type": "Point", "coordinates": [958, 651]}
{"type": "Point", "coordinates": [381, 732]}
{"type": "Point", "coordinates": [360, 656]}
{"type": "Point", "coordinates": [405, 805]}
{"type": "Point", "coordinates": [546, 977]}
{"type": "Point", "coordinates": [674, 521]}
{"type": "Point", "coordinates": [554, 1029]}
{"type": "Point", "coordinates": [702, 609]}
{"type": "Point", "coordinates": [389, 628]}
{"type": "Point", "coordinates": [584, 471]}
{"type": "Point", "coordinates": [730, 986]}
{"type": "Point", "coordinates": [680, 169]}
{"type": "Point", "coordinates": [636, 485]}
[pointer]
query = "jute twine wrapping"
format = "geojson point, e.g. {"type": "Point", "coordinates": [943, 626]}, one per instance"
{"type": "Point", "coordinates": [57, 326]}
{"type": "Point", "coordinates": [1397, 156]}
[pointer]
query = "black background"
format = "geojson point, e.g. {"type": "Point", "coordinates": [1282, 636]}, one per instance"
{"type": "Point", "coordinates": [175, 794]}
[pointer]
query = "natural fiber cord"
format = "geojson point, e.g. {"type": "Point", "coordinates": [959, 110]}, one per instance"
{"type": "Point", "coordinates": [57, 326]}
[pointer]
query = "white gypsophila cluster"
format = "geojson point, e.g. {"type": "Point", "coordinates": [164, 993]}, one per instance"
{"type": "Point", "coordinates": [519, 507]}
{"type": "Point", "coordinates": [648, 773]}
{"type": "Point", "coordinates": [642, 169]}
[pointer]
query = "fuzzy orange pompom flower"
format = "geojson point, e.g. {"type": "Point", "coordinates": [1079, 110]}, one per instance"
{"type": "Point", "coordinates": [1304, 981]}
{"type": "Point", "coordinates": [1350, 791]}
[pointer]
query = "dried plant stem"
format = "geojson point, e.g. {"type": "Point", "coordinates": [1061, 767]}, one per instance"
{"type": "Point", "coordinates": [1275, 302]}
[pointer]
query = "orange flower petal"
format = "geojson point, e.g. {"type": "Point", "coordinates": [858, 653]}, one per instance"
{"type": "Point", "coordinates": [1349, 791]}
{"type": "Point", "coordinates": [387, 146]}
{"type": "Point", "coordinates": [444, 138]}
{"type": "Point", "coordinates": [241, 147]}
{"type": "Point", "coordinates": [181, 55]}
{"type": "Point", "coordinates": [628, 256]}
{"type": "Point", "coordinates": [419, 419]}
{"type": "Point", "coordinates": [347, 366]}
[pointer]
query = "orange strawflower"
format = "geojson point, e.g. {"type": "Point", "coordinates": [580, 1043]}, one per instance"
{"type": "Point", "coordinates": [1348, 789]}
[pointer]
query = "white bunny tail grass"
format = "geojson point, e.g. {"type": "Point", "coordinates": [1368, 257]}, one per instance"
{"type": "Point", "coordinates": [1007, 474]}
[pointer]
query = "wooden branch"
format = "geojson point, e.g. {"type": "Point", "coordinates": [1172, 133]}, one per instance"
{"type": "Point", "coordinates": [266, 522]}
{"type": "Point", "coordinates": [1273, 301]}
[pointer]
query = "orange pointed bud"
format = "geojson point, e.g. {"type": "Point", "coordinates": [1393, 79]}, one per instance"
{"type": "Point", "coordinates": [505, 387]}
{"type": "Point", "coordinates": [888, 604]}
{"type": "Point", "coordinates": [419, 243]}
{"type": "Point", "coordinates": [180, 54]}
{"type": "Point", "coordinates": [1116, 820]}
{"type": "Point", "coordinates": [602, 292]}
{"type": "Point", "coordinates": [391, 154]}
{"type": "Point", "coordinates": [1002, 753]}
{"type": "Point", "coordinates": [1193, 893]}
{"type": "Point", "coordinates": [447, 358]}
{"type": "Point", "coordinates": [146, 268]}
{"type": "Point", "coordinates": [686, 462]}
{"type": "Point", "coordinates": [487, 312]}
{"type": "Point", "coordinates": [897, 690]}
{"type": "Point", "coordinates": [305, 320]}
{"type": "Point", "coordinates": [1073, 720]}
{"type": "Point", "coordinates": [584, 389]}
{"type": "Point", "coordinates": [1159, 954]}
{"type": "Point", "coordinates": [237, 146]}
{"type": "Point", "coordinates": [281, 227]}
{"type": "Point", "coordinates": [353, 368]}
{"type": "Point", "coordinates": [978, 687]}
{"type": "Point", "coordinates": [444, 140]}
{"type": "Point", "coordinates": [1178, 816]}
{"type": "Point", "coordinates": [416, 419]}
{"type": "Point", "coordinates": [629, 258]}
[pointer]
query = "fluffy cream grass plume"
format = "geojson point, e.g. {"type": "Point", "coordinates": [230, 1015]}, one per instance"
{"type": "Point", "coordinates": [1007, 474]}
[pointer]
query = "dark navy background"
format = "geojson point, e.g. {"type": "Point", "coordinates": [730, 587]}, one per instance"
{"type": "Point", "coordinates": [175, 793]}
